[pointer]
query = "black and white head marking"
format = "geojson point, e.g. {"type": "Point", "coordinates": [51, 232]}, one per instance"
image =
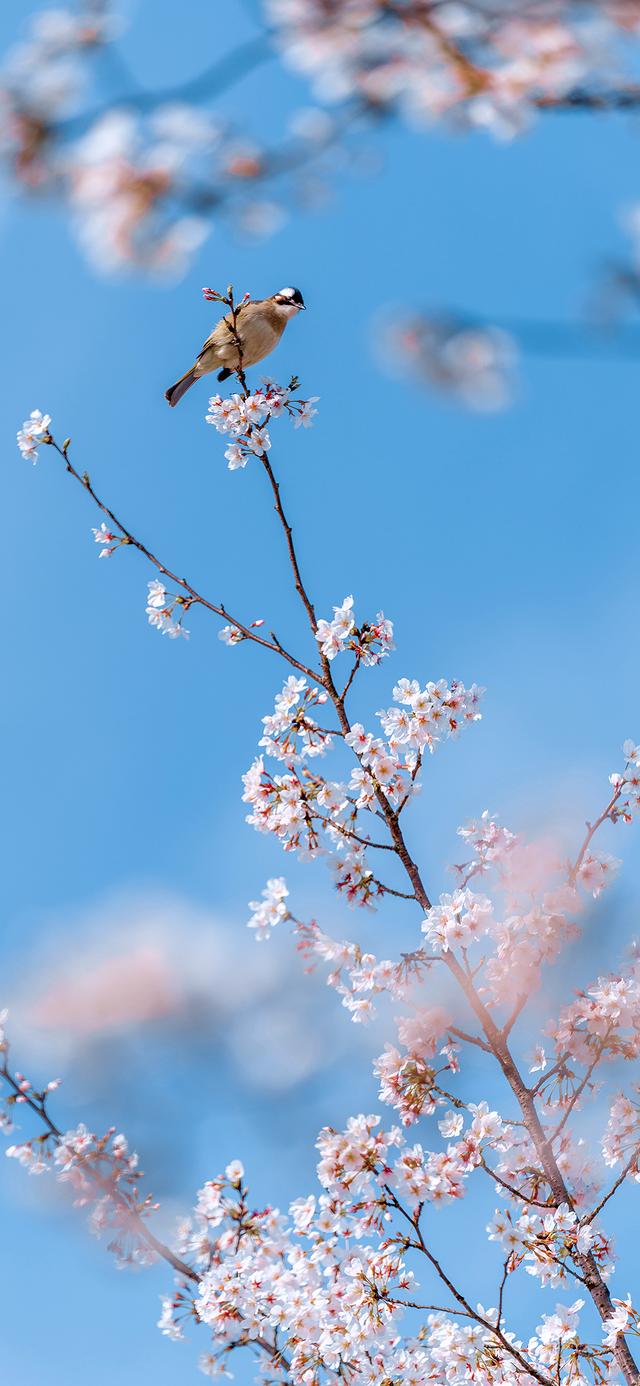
{"type": "Point", "coordinates": [289, 298]}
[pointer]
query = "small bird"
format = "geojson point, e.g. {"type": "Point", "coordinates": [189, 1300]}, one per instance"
{"type": "Point", "coordinates": [260, 324]}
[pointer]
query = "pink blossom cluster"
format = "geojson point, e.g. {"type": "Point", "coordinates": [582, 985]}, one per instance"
{"type": "Point", "coordinates": [270, 910]}
{"type": "Point", "coordinates": [379, 769]}
{"type": "Point", "coordinates": [370, 642]}
{"type": "Point", "coordinates": [356, 976]}
{"type": "Point", "coordinates": [290, 733]}
{"type": "Point", "coordinates": [603, 1021]}
{"type": "Point", "coordinates": [309, 813]}
{"type": "Point", "coordinates": [428, 715]}
{"type": "Point", "coordinates": [408, 1080]}
{"type": "Point", "coordinates": [458, 921]}
{"type": "Point", "coordinates": [437, 1177]}
{"type": "Point", "coordinates": [520, 1169]}
{"type": "Point", "coordinates": [102, 1174]}
{"type": "Point", "coordinates": [546, 1242]}
{"type": "Point", "coordinates": [244, 419]}
{"type": "Point", "coordinates": [160, 608]}
{"type": "Point", "coordinates": [323, 1290]}
{"type": "Point", "coordinates": [489, 842]}
{"type": "Point", "coordinates": [621, 1140]}
{"type": "Point", "coordinates": [627, 785]}
{"type": "Point", "coordinates": [34, 430]}
{"type": "Point", "coordinates": [624, 1319]}
{"type": "Point", "coordinates": [232, 635]}
{"type": "Point", "coordinates": [283, 805]}
{"type": "Point", "coordinates": [121, 178]}
{"type": "Point", "coordinates": [330, 1282]}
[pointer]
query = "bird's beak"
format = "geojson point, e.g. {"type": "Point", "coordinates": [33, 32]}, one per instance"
{"type": "Point", "coordinates": [303, 306]}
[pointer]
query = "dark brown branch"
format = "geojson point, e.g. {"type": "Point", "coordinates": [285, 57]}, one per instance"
{"type": "Point", "coordinates": [494, 1329]}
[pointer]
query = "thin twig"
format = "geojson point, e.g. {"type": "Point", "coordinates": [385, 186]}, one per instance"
{"type": "Point", "coordinates": [492, 1328]}
{"type": "Point", "coordinates": [633, 1160]}
{"type": "Point", "coordinates": [195, 598]}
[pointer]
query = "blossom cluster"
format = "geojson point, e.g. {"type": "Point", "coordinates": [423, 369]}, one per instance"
{"type": "Point", "coordinates": [604, 1020]}
{"type": "Point", "coordinates": [621, 1139]}
{"type": "Point", "coordinates": [357, 976]}
{"type": "Point", "coordinates": [436, 712]}
{"type": "Point", "coordinates": [310, 813]}
{"type": "Point", "coordinates": [458, 921]}
{"type": "Point", "coordinates": [370, 642]}
{"type": "Point", "coordinates": [34, 430]}
{"type": "Point", "coordinates": [329, 1281]}
{"type": "Point", "coordinates": [547, 1242]}
{"type": "Point", "coordinates": [626, 785]}
{"type": "Point", "coordinates": [290, 733]}
{"type": "Point", "coordinates": [489, 842]}
{"type": "Point", "coordinates": [427, 715]}
{"type": "Point", "coordinates": [327, 1285]}
{"type": "Point", "coordinates": [160, 608]}
{"type": "Point", "coordinates": [102, 1174]}
{"type": "Point", "coordinates": [270, 910]}
{"type": "Point", "coordinates": [244, 418]}
{"type": "Point", "coordinates": [408, 1080]}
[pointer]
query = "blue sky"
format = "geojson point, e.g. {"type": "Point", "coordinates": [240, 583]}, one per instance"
{"type": "Point", "coordinates": [503, 547]}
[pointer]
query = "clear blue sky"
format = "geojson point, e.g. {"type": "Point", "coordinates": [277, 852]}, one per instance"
{"type": "Point", "coordinates": [503, 547]}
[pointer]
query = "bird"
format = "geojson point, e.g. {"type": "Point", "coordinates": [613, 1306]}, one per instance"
{"type": "Point", "coordinates": [260, 324]}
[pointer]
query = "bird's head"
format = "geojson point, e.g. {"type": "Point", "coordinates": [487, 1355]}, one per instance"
{"type": "Point", "coordinates": [290, 300]}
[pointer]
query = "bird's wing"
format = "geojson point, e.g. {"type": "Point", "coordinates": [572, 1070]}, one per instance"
{"type": "Point", "coordinates": [221, 335]}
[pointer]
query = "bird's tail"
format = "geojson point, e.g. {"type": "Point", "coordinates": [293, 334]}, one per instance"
{"type": "Point", "coordinates": [175, 392]}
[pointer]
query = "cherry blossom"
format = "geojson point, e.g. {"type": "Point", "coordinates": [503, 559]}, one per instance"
{"type": "Point", "coordinates": [34, 430]}
{"type": "Point", "coordinates": [290, 733]}
{"type": "Point", "coordinates": [271, 910]}
{"type": "Point", "coordinates": [322, 1291]}
{"type": "Point", "coordinates": [623, 1318]}
{"type": "Point", "coordinates": [159, 611]}
{"type": "Point", "coordinates": [243, 419]}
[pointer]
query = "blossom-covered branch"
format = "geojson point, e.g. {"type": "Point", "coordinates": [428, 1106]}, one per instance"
{"type": "Point", "coordinates": [326, 1287]}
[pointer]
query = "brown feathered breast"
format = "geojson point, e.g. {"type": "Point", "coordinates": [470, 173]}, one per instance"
{"type": "Point", "coordinates": [259, 327]}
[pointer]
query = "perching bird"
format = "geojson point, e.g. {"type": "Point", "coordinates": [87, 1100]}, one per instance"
{"type": "Point", "coordinates": [259, 327]}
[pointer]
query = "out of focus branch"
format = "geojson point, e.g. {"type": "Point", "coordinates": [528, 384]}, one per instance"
{"type": "Point", "coordinates": [222, 74]}
{"type": "Point", "coordinates": [37, 1105]}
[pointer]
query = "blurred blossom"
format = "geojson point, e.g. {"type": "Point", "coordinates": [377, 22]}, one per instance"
{"type": "Point", "coordinates": [42, 80]}
{"type": "Point", "coordinates": [474, 364]}
{"type": "Point", "coordinates": [489, 68]}
{"type": "Point", "coordinates": [261, 218]}
{"type": "Point", "coordinates": [123, 177]}
{"type": "Point", "coordinates": [143, 188]}
{"type": "Point", "coordinates": [136, 963]}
